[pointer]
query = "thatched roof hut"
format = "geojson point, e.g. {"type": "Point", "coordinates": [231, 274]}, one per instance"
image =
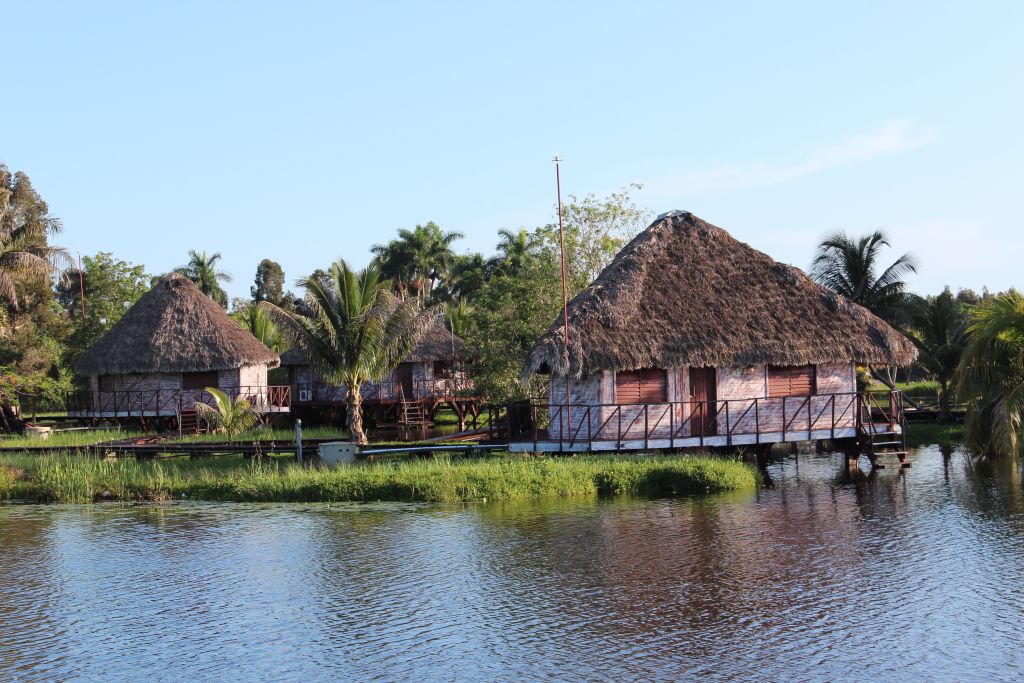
{"type": "Point", "coordinates": [686, 293]}
{"type": "Point", "coordinates": [174, 328]}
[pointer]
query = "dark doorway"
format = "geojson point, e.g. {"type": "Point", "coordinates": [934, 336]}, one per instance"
{"type": "Point", "coordinates": [704, 397]}
{"type": "Point", "coordinates": [405, 379]}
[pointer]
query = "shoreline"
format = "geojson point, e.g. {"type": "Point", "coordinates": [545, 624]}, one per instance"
{"type": "Point", "coordinates": [67, 479]}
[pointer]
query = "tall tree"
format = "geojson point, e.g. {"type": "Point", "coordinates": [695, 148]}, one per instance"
{"type": "Point", "coordinates": [940, 334]}
{"type": "Point", "coordinates": [595, 230]}
{"type": "Point", "coordinates": [514, 250]}
{"type": "Point", "coordinates": [418, 258]}
{"type": "Point", "coordinates": [508, 316]}
{"type": "Point", "coordinates": [358, 331]}
{"type": "Point", "coordinates": [33, 326]}
{"type": "Point", "coordinates": [26, 257]}
{"type": "Point", "coordinates": [111, 287]}
{"type": "Point", "coordinates": [991, 376]}
{"type": "Point", "coordinates": [466, 278]}
{"type": "Point", "coordinates": [269, 284]}
{"type": "Point", "coordinates": [202, 270]}
{"type": "Point", "coordinates": [850, 266]}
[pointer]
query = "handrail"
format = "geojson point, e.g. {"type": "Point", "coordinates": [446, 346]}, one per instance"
{"type": "Point", "coordinates": [140, 402]}
{"type": "Point", "coordinates": [728, 418]}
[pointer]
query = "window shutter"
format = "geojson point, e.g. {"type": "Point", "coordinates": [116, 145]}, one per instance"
{"type": "Point", "coordinates": [791, 380]}
{"type": "Point", "coordinates": [641, 386]}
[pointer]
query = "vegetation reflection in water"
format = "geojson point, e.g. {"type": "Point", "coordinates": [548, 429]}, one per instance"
{"type": "Point", "coordinates": [896, 576]}
{"type": "Point", "coordinates": [70, 479]}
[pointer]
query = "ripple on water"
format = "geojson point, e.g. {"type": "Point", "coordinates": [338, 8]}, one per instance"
{"type": "Point", "coordinates": [899, 576]}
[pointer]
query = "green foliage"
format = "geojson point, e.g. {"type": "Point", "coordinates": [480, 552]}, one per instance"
{"type": "Point", "coordinates": [261, 325]}
{"type": "Point", "coordinates": [595, 230]}
{"type": "Point", "coordinates": [33, 328]}
{"type": "Point", "coordinates": [940, 334]}
{"type": "Point", "coordinates": [417, 259]}
{"type": "Point", "coordinates": [269, 283]}
{"type": "Point", "coordinates": [991, 376]}
{"type": "Point", "coordinates": [67, 479]}
{"type": "Point", "coordinates": [358, 331]}
{"type": "Point", "coordinates": [112, 286]}
{"type": "Point", "coordinates": [926, 434]}
{"type": "Point", "coordinates": [849, 266]}
{"type": "Point", "coordinates": [25, 254]}
{"type": "Point", "coordinates": [202, 270]}
{"type": "Point", "coordinates": [226, 415]}
{"type": "Point", "coordinates": [510, 314]}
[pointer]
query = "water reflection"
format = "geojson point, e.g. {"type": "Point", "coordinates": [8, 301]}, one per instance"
{"type": "Point", "coordinates": [891, 576]}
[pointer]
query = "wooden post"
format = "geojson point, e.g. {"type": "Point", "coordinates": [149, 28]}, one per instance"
{"type": "Point", "coordinates": [298, 441]}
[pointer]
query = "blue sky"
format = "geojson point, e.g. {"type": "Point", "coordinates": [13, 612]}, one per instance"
{"type": "Point", "coordinates": [304, 132]}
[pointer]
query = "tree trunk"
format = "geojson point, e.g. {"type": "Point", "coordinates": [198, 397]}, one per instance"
{"type": "Point", "coordinates": [945, 414]}
{"type": "Point", "coordinates": [354, 415]}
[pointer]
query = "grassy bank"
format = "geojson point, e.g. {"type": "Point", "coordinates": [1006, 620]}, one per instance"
{"type": "Point", "coordinates": [926, 434]}
{"type": "Point", "coordinates": [68, 479]}
{"type": "Point", "coordinates": [88, 437]}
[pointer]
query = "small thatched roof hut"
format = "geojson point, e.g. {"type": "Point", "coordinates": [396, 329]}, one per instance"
{"type": "Point", "coordinates": [174, 328]}
{"type": "Point", "coordinates": [686, 293]}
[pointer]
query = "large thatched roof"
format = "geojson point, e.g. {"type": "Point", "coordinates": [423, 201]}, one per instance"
{"type": "Point", "coordinates": [686, 293]}
{"type": "Point", "coordinates": [435, 344]}
{"type": "Point", "coordinates": [173, 328]}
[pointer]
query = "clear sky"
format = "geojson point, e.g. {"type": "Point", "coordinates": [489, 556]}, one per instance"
{"type": "Point", "coordinates": [305, 131]}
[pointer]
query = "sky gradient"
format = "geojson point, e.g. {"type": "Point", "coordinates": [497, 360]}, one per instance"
{"type": "Point", "coordinates": [305, 132]}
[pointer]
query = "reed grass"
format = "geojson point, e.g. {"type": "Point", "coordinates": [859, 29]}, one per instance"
{"type": "Point", "coordinates": [76, 479]}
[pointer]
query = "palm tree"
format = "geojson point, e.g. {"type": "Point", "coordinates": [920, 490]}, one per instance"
{"type": "Point", "coordinates": [940, 334]}
{"type": "Point", "coordinates": [25, 224]}
{"type": "Point", "coordinates": [514, 249]}
{"type": "Point", "coordinates": [202, 270]}
{"type": "Point", "coordinates": [232, 417]}
{"type": "Point", "coordinates": [358, 332]}
{"type": "Point", "coordinates": [991, 375]}
{"type": "Point", "coordinates": [849, 266]}
{"type": "Point", "coordinates": [259, 324]}
{"type": "Point", "coordinates": [419, 257]}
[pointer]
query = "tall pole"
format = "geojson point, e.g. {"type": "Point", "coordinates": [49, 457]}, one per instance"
{"type": "Point", "coordinates": [81, 284]}
{"type": "Point", "coordinates": [565, 297]}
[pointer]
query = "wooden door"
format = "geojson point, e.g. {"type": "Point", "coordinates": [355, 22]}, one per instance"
{"type": "Point", "coordinates": [703, 395]}
{"type": "Point", "coordinates": [405, 379]}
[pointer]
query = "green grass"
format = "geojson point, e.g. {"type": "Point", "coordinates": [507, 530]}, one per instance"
{"type": "Point", "coordinates": [920, 389]}
{"type": "Point", "coordinates": [71, 479]}
{"type": "Point", "coordinates": [926, 434]}
{"type": "Point", "coordinates": [273, 434]}
{"type": "Point", "coordinates": [68, 438]}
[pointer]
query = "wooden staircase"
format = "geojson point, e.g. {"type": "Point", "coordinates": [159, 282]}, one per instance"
{"type": "Point", "coordinates": [188, 422]}
{"type": "Point", "coordinates": [412, 414]}
{"type": "Point", "coordinates": [883, 440]}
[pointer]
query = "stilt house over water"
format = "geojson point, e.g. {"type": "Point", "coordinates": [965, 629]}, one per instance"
{"type": "Point", "coordinates": [158, 359]}
{"type": "Point", "coordinates": [690, 338]}
{"type": "Point", "coordinates": [434, 374]}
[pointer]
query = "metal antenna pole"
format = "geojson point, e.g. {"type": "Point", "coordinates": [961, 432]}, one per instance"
{"type": "Point", "coordinates": [565, 297]}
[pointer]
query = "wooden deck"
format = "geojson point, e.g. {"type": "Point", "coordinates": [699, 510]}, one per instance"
{"type": "Point", "coordinates": [170, 403]}
{"type": "Point", "coordinates": [560, 428]}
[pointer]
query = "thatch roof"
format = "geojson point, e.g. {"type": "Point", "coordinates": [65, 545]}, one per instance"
{"type": "Point", "coordinates": [435, 344]}
{"type": "Point", "coordinates": [686, 293]}
{"type": "Point", "coordinates": [174, 328]}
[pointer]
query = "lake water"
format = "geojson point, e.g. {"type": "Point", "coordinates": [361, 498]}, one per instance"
{"type": "Point", "coordinates": [916, 576]}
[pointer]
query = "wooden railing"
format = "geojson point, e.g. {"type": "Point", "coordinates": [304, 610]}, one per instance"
{"type": "Point", "coordinates": [390, 390]}
{"type": "Point", "coordinates": [766, 419]}
{"type": "Point", "coordinates": [154, 402]}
